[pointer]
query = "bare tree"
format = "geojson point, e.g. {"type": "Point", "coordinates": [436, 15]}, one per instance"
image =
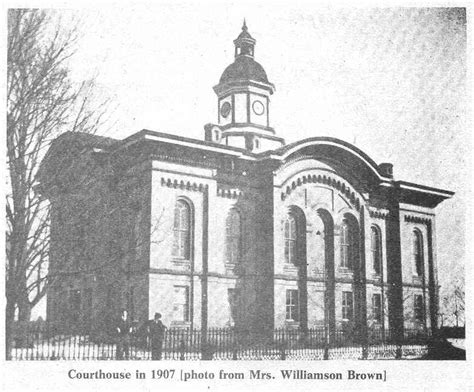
{"type": "Point", "coordinates": [42, 102]}
{"type": "Point", "coordinates": [453, 302]}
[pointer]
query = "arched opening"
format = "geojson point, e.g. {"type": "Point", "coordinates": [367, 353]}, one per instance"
{"type": "Point", "coordinates": [351, 261]}
{"type": "Point", "coordinates": [329, 275]}
{"type": "Point", "coordinates": [418, 257]}
{"type": "Point", "coordinates": [378, 298]}
{"type": "Point", "coordinates": [419, 271]}
{"type": "Point", "coordinates": [295, 255]}
{"type": "Point", "coordinates": [182, 229]}
{"type": "Point", "coordinates": [376, 249]}
{"type": "Point", "coordinates": [233, 237]}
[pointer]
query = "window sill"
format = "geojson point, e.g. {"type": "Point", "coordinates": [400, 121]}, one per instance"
{"type": "Point", "coordinates": [292, 324]}
{"type": "Point", "coordinates": [287, 267]}
{"type": "Point", "coordinates": [346, 271]}
{"type": "Point", "coordinates": [346, 320]}
{"type": "Point", "coordinates": [179, 261]}
{"type": "Point", "coordinates": [180, 324]}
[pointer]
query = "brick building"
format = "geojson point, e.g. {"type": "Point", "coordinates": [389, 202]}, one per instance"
{"type": "Point", "coordinates": [238, 229]}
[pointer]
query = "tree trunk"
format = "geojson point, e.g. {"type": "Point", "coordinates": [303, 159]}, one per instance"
{"type": "Point", "coordinates": [9, 326]}
{"type": "Point", "coordinates": [24, 314]}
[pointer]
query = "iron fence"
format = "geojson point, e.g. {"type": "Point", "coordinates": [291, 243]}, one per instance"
{"type": "Point", "coordinates": [43, 343]}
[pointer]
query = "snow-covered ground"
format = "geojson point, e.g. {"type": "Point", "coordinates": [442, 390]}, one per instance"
{"type": "Point", "coordinates": [80, 348]}
{"type": "Point", "coordinates": [459, 343]}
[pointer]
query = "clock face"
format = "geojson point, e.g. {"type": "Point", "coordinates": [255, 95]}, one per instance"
{"type": "Point", "coordinates": [225, 109]}
{"type": "Point", "coordinates": [258, 108]}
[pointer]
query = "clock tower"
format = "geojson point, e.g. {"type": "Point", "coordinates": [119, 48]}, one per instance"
{"type": "Point", "coordinates": [243, 97]}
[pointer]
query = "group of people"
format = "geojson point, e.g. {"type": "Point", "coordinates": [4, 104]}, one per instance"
{"type": "Point", "coordinates": [155, 330]}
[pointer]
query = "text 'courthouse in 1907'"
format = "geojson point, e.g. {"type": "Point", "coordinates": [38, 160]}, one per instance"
{"type": "Point", "coordinates": [240, 229]}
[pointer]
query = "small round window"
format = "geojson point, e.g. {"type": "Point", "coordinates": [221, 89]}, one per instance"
{"type": "Point", "coordinates": [258, 108]}
{"type": "Point", "coordinates": [225, 109]}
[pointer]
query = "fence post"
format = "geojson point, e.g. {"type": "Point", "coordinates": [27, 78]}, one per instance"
{"type": "Point", "coordinates": [365, 351]}
{"type": "Point", "coordinates": [283, 349]}
{"type": "Point", "coordinates": [398, 352]}
{"type": "Point", "coordinates": [206, 353]}
{"type": "Point", "coordinates": [182, 349]}
{"type": "Point", "coordinates": [327, 342]}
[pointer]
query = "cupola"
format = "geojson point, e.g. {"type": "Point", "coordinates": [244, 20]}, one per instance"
{"type": "Point", "coordinates": [243, 94]}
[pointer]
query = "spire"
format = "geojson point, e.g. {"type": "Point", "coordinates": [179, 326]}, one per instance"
{"type": "Point", "coordinates": [245, 43]}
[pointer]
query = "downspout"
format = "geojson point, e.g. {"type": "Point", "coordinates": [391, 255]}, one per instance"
{"type": "Point", "coordinates": [205, 267]}
{"type": "Point", "coordinates": [432, 281]}
{"type": "Point", "coordinates": [382, 300]}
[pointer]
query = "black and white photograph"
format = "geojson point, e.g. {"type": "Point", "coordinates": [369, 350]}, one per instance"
{"type": "Point", "coordinates": [190, 188]}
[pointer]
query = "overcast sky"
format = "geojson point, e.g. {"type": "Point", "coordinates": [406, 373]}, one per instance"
{"type": "Point", "coordinates": [392, 81]}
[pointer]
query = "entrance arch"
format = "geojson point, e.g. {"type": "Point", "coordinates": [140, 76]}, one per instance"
{"type": "Point", "coordinates": [351, 248]}
{"type": "Point", "coordinates": [329, 275]}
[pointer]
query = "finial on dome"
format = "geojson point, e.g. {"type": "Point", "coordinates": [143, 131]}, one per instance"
{"type": "Point", "coordinates": [244, 44]}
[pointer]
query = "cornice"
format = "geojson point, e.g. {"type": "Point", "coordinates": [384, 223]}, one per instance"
{"type": "Point", "coordinates": [417, 219]}
{"type": "Point", "coordinates": [378, 214]}
{"type": "Point", "coordinates": [190, 186]}
{"type": "Point", "coordinates": [229, 193]}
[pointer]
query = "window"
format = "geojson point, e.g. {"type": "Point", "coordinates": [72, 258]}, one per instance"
{"type": "Point", "coordinates": [347, 307]}
{"type": "Point", "coordinates": [377, 307]}
{"type": "Point", "coordinates": [346, 245]}
{"type": "Point", "coordinates": [376, 250]}
{"type": "Point", "coordinates": [233, 237]}
{"type": "Point", "coordinates": [181, 304]}
{"type": "Point", "coordinates": [109, 297]}
{"type": "Point", "coordinates": [131, 303]}
{"type": "Point", "coordinates": [75, 304]}
{"type": "Point", "coordinates": [87, 301]}
{"type": "Point", "coordinates": [418, 307]}
{"type": "Point", "coordinates": [418, 252]}
{"type": "Point", "coordinates": [182, 230]}
{"type": "Point", "coordinates": [87, 307]}
{"type": "Point", "coordinates": [292, 306]}
{"type": "Point", "coordinates": [233, 296]}
{"type": "Point", "coordinates": [290, 239]}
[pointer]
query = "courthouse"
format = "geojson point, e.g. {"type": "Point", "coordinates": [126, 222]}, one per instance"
{"type": "Point", "coordinates": [238, 229]}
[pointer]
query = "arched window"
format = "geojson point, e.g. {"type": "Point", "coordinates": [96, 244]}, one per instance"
{"type": "Point", "coordinates": [418, 252]}
{"type": "Point", "coordinates": [233, 237]}
{"type": "Point", "coordinates": [290, 239]}
{"type": "Point", "coordinates": [346, 245]}
{"type": "Point", "coordinates": [376, 249]}
{"type": "Point", "coordinates": [182, 230]}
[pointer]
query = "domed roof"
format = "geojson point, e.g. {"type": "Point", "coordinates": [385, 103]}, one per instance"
{"type": "Point", "coordinates": [244, 68]}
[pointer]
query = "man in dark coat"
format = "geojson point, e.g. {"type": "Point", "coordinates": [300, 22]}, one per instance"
{"type": "Point", "coordinates": [156, 331]}
{"type": "Point", "coordinates": [123, 330]}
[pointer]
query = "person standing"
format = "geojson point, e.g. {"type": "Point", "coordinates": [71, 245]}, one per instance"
{"type": "Point", "coordinates": [156, 331]}
{"type": "Point", "coordinates": [123, 329]}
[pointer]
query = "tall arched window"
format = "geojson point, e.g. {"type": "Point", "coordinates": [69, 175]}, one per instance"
{"type": "Point", "coordinates": [376, 249]}
{"type": "Point", "coordinates": [182, 230]}
{"type": "Point", "coordinates": [290, 239]}
{"type": "Point", "coordinates": [233, 237]}
{"type": "Point", "coordinates": [346, 245]}
{"type": "Point", "coordinates": [418, 252]}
